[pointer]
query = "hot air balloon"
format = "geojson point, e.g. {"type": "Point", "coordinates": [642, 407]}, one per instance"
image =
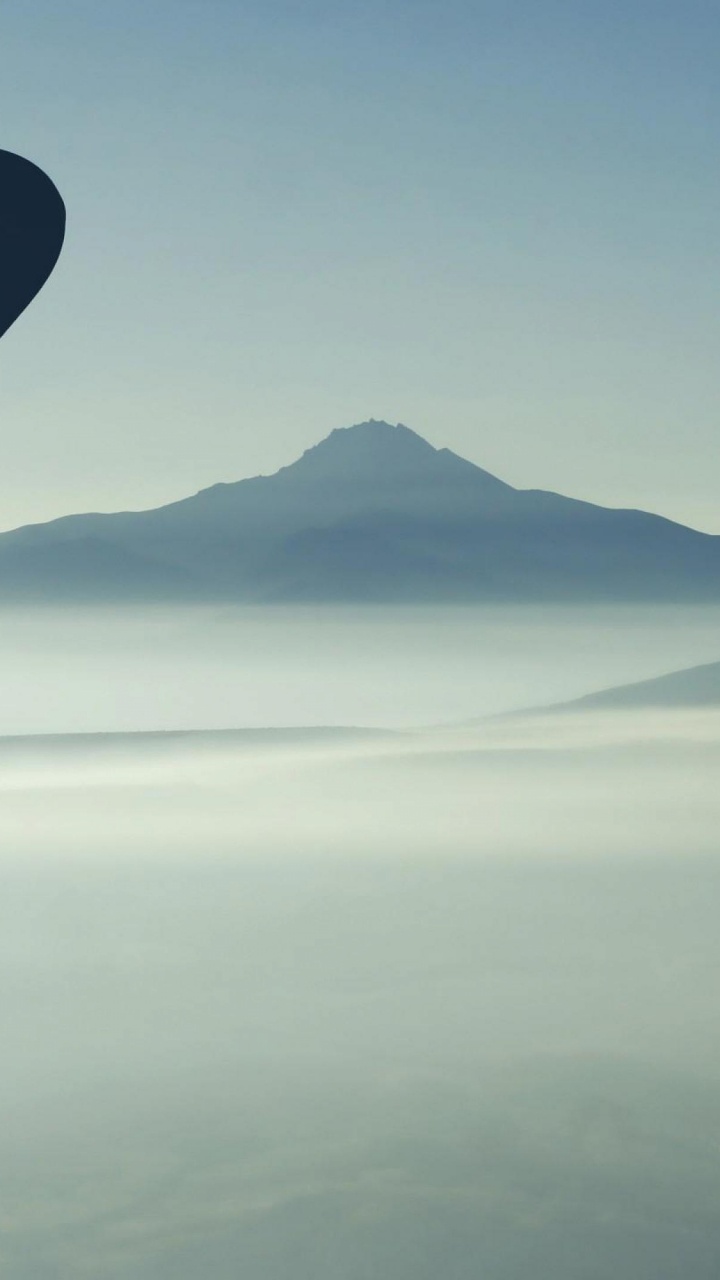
{"type": "Point", "coordinates": [32, 229]}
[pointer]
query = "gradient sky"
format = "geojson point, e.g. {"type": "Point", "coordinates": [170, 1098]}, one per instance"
{"type": "Point", "coordinates": [495, 222]}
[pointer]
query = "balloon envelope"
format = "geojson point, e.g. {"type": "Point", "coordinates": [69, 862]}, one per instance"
{"type": "Point", "coordinates": [32, 228]}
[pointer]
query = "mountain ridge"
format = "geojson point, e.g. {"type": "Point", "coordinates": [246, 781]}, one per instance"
{"type": "Point", "coordinates": [371, 513]}
{"type": "Point", "coordinates": [697, 686]}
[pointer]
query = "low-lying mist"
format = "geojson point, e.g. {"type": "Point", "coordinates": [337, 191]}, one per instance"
{"type": "Point", "coordinates": [301, 1005]}
{"type": "Point", "coordinates": [542, 786]}
{"type": "Point", "coordinates": [87, 670]}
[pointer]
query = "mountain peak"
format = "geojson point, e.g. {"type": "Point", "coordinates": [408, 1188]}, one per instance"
{"type": "Point", "coordinates": [378, 453]}
{"type": "Point", "coordinates": [377, 431]}
{"type": "Point", "coordinates": [371, 513]}
{"type": "Point", "coordinates": [365, 448]}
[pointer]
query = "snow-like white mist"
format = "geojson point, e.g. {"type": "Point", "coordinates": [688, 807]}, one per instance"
{"type": "Point", "coordinates": [64, 671]}
{"type": "Point", "coordinates": [341, 1005]}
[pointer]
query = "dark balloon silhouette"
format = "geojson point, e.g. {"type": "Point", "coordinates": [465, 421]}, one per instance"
{"type": "Point", "coordinates": [32, 229]}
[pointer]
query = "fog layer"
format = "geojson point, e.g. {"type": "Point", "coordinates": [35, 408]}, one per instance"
{"type": "Point", "coordinates": [326, 1005]}
{"type": "Point", "coordinates": [87, 670]}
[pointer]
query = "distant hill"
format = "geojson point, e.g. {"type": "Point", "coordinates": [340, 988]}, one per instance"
{"type": "Point", "coordinates": [693, 687]}
{"type": "Point", "coordinates": [372, 513]}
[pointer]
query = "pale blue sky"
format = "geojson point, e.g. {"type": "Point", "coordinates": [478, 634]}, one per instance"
{"type": "Point", "coordinates": [496, 222]}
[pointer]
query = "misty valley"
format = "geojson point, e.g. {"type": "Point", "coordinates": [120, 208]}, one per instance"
{"type": "Point", "coordinates": [353, 942]}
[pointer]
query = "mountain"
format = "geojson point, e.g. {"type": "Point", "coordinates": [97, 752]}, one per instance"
{"type": "Point", "coordinates": [692, 687]}
{"type": "Point", "coordinates": [372, 513]}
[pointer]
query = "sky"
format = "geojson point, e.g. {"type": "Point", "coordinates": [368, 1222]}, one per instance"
{"type": "Point", "coordinates": [494, 222]}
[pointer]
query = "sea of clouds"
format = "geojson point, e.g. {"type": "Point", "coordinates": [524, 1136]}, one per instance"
{"type": "Point", "coordinates": [340, 1005]}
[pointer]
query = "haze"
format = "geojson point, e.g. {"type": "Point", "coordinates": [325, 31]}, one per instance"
{"type": "Point", "coordinates": [396, 1003]}
{"type": "Point", "coordinates": [331, 948]}
{"type": "Point", "coordinates": [94, 670]}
